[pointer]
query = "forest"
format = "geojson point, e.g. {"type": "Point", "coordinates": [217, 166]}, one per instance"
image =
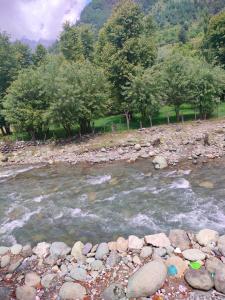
{"type": "Point", "coordinates": [139, 57]}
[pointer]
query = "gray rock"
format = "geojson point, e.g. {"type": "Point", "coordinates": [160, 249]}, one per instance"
{"type": "Point", "coordinates": [5, 260]}
{"type": "Point", "coordinates": [78, 274]}
{"type": "Point", "coordinates": [113, 259]}
{"type": "Point", "coordinates": [72, 291]}
{"type": "Point", "coordinates": [26, 251]}
{"type": "Point", "coordinates": [16, 249]}
{"type": "Point", "coordinates": [13, 266]}
{"type": "Point", "coordinates": [159, 252]}
{"type": "Point", "coordinates": [59, 249]}
{"type": "Point", "coordinates": [137, 147]}
{"type": "Point", "coordinates": [51, 260]}
{"type": "Point", "coordinates": [146, 252]}
{"type": "Point", "coordinates": [158, 240]}
{"type": "Point", "coordinates": [212, 264]}
{"type": "Point", "coordinates": [97, 265]}
{"type": "Point", "coordinates": [147, 280]}
{"type": "Point", "coordinates": [160, 162]}
{"type": "Point", "coordinates": [135, 243]}
{"type": "Point", "coordinates": [199, 279]}
{"type": "Point", "coordinates": [179, 239]}
{"type": "Point", "coordinates": [32, 279]}
{"type": "Point", "coordinates": [87, 248]}
{"type": "Point", "coordinates": [114, 292]}
{"type": "Point", "coordinates": [77, 251]}
{"type": "Point", "coordinates": [5, 293]}
{"type": "Point", "coordinates": [193, 254]}
{"type": "Point", "coordinates": [206, 236]}
{"type": "Point", "coordinates": [25, 293]}
{"type": "Point", "coordinates": [220, 279]}
{"type": "Point", "coordinates": [221, 244]}
{"type": "Point", "coordinates": [49, 280]}
{"type": "Point", "coordinates": [3, 250]}
{"type": "Point", "coordinates": [102, 251]}
{"type": "Point", "coordinates": [42, 249]}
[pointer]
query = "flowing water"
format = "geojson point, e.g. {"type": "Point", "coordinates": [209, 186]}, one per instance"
{"type": "Point", "coordinates": [100, 203]}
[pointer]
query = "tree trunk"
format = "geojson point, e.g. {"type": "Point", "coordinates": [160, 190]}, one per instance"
{"type": "Point", "coordinates": [7, 129]}
{"type": "Point", "coordinates": [177, 111]}
{"type": "Point", "coordinates": [2, 130]}
{"type": "Point", "coordinates": [68, 130]}
{"type": "Point", "coordinates": [128, 119]}
{"type": "Point", "coordinates": [150, 119]}
{"type": "Point", "coordinates": [85, 126]}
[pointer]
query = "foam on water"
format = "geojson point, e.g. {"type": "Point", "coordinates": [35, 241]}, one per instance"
{"type": "Point", "coordinates": [180, 184]}
{"type": "Point", "coordinates": [77, 213]}
{"type": "Point", "coordinates": [143, 220]}
{"type": "Point", "coordinates": [99, 179]}
{"type": "Point", "coordinates": [8, 174]}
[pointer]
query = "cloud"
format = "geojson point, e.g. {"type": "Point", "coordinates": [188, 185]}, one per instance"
{"type": "Point", "coordinates": [38, 19]}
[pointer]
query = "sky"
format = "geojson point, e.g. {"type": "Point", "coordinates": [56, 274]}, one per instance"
{"type": "Point", "coordinates": [38, 19]}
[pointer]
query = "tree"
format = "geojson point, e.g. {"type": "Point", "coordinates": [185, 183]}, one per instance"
{"type": "Point", "coordinates": [87, 41]}
{"type": "Point", "coordinates": [39, 55]}
{"type": "Point", "coordinates": [22, 54]}
{"type": "Point", "coordinates": [183, 35]}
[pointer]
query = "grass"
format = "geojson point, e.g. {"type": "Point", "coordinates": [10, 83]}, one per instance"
{"type": "Point", "coordinates": [105, 124]}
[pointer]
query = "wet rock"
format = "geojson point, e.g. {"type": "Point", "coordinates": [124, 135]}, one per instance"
{"type": "Point", "coordinates": [49, 280]}
{"type": "Point", "coordinates": [206, 236]}
{"type": "Point", "coordinates": [87, 248]}
{"type": "Point", "coordinates": [179, 239]}
{"type": "Point", "coordinates": [158, 240]}
{"type": "Point", "coordinates": [121, 244]}
{"type": "Point", "coordinates": [97, 265]}
{"type": "Point", "coordinates": [180, 264]}
{"type": "Point", "coordinates": [32, 279]}
{"type": "Point", "coordinates": [72, 291]}
{"type": "Point", "coordinates": [16, 249]}
{"type": "Point", "coordinates": [220, 279]}
{"type": "Point", "coordinates": [42, 249]}
{"type": "Point", "coordinates": [160, 162]}
{"type": "Point", "coordinates": [134, 243]}
{"type": "Point", "coordinates": [114, 292]}
{"type": "Point", "coordinates": [102, 251]}
{"type": "Point", "coordinates": [78, 274]}
{"type": "Point", "coordinates": [146, 252]}
{"type": "Point", "coordinates": [199, 279]}
{"type": "Point", "coordinates": [221, 244]}
{"type": "Point", "coordinates": [206, 184]}
{"type": "Point", "coordinates": [147, 280]}
{"type": "Point", "coordinates": [13, 266]}
{"type": "Point", "coordinates": [113, 259]}
{"type": "Point", "coordinates": [25, 293]}
{"type": "Point", "coordinates": [77, 251]}
{"type": "Point", "coordinates": [212, 264]}
{"type": "Point", "coordinates": [5, 260]}
{"type": "Point", "coordinates": [26, 251]}
{"type": "Point", "coordinates": [193, 254]}
{"type": "Point", "coordinates": [5, 293]}
{"type": "Point", "coordinates": [3, 250]}
{"type": "Point", "coordinates": [59, 249]}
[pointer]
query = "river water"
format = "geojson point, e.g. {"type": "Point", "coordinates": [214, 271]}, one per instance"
{"type": "Point", "coordinates": [99, 203]}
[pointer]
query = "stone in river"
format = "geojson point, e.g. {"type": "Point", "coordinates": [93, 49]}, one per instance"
{"type": "Point", "coordinates": [134, 243]}
{"type": "Point", "coordinates": [199, 279]}
{"type": "Point", "coordinates": [72, 291]}
{"type": "Point", "coordinates": [5, 260]}
{"type": "Point", "coordinates": [26, 251]}
{"type": "Point", "coordinates": [158, 240]}
{"type": "Point", "coordinates": [193, 254]}
{"type": "Point", "coordinates": [77, 251]}
{"type": "Point", "coordinates": [179, 239]}
{"type": "Point", "coordinates": [220, 279]}
{"type": "Point", "coordinates": [87, 248]}
{"type": "Point", "coordinates": [113, 259]}
{"type": "Point", "coordinates": [206, 236]}
{"type": "Point", "coordinates": [114, 292]}
{"type": "Point", "coordinates": [112, 246]}
{"type": "Point", "coordinates": [121, 244]}
{"type": "Point", "coordinates": [3, 250]}
{"type": "Point", "coordinates": [25, 293]}
{"type": "Point", "coordinates": [16, 249]}
{"type": "Point", "coordinates": [102, 251]}
{"type": "Point", "coordinates": [42, 249]}
{"type": "Point", "coordinates": [32, 279]}
{"type": "Point", "coordinates": [147, 280]}
{"type": "Point", "coordinates": [59, 249]}
{"type": "Point", "coordinates": [160, 162]}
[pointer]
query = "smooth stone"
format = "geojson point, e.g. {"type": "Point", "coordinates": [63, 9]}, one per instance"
{"type": "Point", "coordinates": [221, 244]}
{"type": "Point", "coordinates": [102, 251]}
{"type": "Point", "coordinates": [136, 260]}
{"type": "Point", "coordinates": [206, 184]}
{"type": "Point", "coordinates": [5, 260]}
{"type": "Point", "coordinates": [77, 251]}
{"type": "Point", "coordinates": [159, 252]}
{"type": "Point", "coordinates": [113, 259]}
{"type": "Point", "coordinates": [160, 162]}
{"type": "Point", "coordinates": [121, 244]}
{"type": "Point", "coordinates": [146, 252]}
{"type": "Point", "coordinates": [207, 236]}
{"type": "Point", "coordinates": [137, 147]}
{"type": "Point", "coordinates": [158, 240]}
{"type": "Point", "coordinates": [212, 264]}
{"type": "Point", "coordinates": [114, 292]}
{"type": "Point", "coordinates": [199, 279]}
{"type": "Point", "coordinates": [5, 293]}
{"type": "Point", "coordinates": [220, 279]}
{"type": "Point", "coordinates": [32, 279]}
{"type": "Point", "coordinates": [193, 254]}
{"type": "Point", "coordinates": [112, 246]}
{"type": "Point", "coordinates": [51, 260]}
{"type": "Point", "coordinates": [147, 280]}
{"type": "Point", "coordinates": [16, 249]}
{"type": "Point", "coordinates": [3, 250]}
{"type": "Point", "coordinates": [87, 248]}
{"type": "Point", "coordinates": [180, 264]}
{"type": "Point", "coordinates": [179, 239]}
{"type": "Point", "coordinates": [25, 293]}
{"type": "Point", "coordinates": [42, 249]}
{"type": "Point", "coordinates": [49, 280]}
{"type": "Point", "coordinates": [135, 243]}
{"type": "Point", "coordinates": [78, 274]}
{"type": "Point", "coordinates": [97, 265]}
{"type": "Point", "coordinates": [72, 291]}
{"type": "Point", "coordinates": [59, 249]}
{"type": "Point", "coordinates": [13, 266]}
{"type": "Point", "coordinates": [26, 251]}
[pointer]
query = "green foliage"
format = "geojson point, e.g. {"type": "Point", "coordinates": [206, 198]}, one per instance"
{"type": "Point", "coordinates": [87, 41]}
{"type": "Point", "coordinates": [23, 55]}
{"type": "Point", "coordinates": [39, 55]}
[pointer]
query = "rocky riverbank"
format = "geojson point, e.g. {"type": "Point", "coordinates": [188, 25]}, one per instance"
{"type": "Point", "coordinates": [182, 265]}
{"type": "Point", "coordinates": [198, 141]}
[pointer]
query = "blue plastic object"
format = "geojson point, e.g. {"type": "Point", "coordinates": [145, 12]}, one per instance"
{"type": "Point", "coordinates": [172, 270]}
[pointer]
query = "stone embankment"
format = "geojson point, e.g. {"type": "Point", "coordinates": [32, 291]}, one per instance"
{"type": "Point", "coordinates": [181, 265]}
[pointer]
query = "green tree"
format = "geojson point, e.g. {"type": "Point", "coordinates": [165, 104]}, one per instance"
{"type": "Point", "coordinates": [23, 55]}
{"type": "Point", "coordinates": [182, 36]}
{"type": "Point", "coordinates": [87, 41]}
{"type": "Point", "coordinates": [39, 55]}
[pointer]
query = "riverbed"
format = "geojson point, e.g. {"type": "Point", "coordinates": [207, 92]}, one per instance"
{"type": "Point", "coordinates": [66, 203]}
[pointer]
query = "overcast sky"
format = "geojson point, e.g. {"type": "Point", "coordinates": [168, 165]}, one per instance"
{"type": "Point", "coordinates": [38, 19]}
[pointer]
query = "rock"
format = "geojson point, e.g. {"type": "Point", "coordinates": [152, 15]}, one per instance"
{"type": "Point", "coordinates": [42, 249]}
{"type": "Point", "coordinates": [5, 293]}
{"type": "Point", "coordinates": [221, 244]}
{"type": "Point", "coordinates": [206, 184]}
{"type": "Point", "coordinates": [134, 243]}
{"type": "Point", "coordinates": [13, 266]}
{"type": "Point", "coordinates": [220, 279]}
{"type": "Point", "coordinates": [72, 291]}
{"type": "Point", "coordinates": [49, 280]}
{"type": "Point", "coordinates": [121, 244]}
{"type": "Point", "coordinates": [26, 251]}
{"type": "Point", "coordinates": [25, 293]}
{"type": "Point", "coordinates": [59, 249]}
{"type": "Point", "coordinates": [87, 248]}
{"type": "Point", "coordinates": [77, 251]}
{"type": "Point", "coordinates": [159, 252]}
{"type": "Point", "coordinates": [206, 236]}
{"type": "Point", "coordinates": [147, 280]}
{"type": "Point", "coordinates": [179, 239]}
{"type": "Point", "coordinates": [32, 279]}
{"type": "Point", "coordinates": [158, 240]}
{"type": "Point", "coordinates": [136, 260]}
{"type": "Point", "coordinates": [16, 249]}
{"type": "Point", "coordinates": [97, 265]}
{"type": "Point", "coordinates": [212, 264]}
{"type": "Point", "coordinates": [137, 147]}
{"type": "Point", "coordinates": [160, 162]}
{"type": "Point", "coordinates": [146, 252]}
{"type": "Point", "coordinates": [78, 274]}
{"type": "Point", "coordinates": [102, 251]}
{"type": "Point", "coordinates": [193, 254]}
{"type": "Point", "coordinates": [51, 260]}
{"type": "Point", "coordinates": [114, 292]}
{"type": "Point", "coordinates": [112, 246]}
{"type": "Point", "coordinates": [199, 279]}
{"type": "Point", "coordinates": [180, 264]}
{"type": "Point", "coordinates": [113, 259]}
{"type": "Point", "coordinates": [3, 250]}
{"type": "Point", "coordinates": [5, 260]}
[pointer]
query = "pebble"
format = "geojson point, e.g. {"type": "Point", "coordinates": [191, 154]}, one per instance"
{"type": "Point", "coordinates": [135, 243]}
{"type": "Point", "coordinates": [193, 254]}
{"type": "Point", "coordinates": [78, 274]}
{"type": "Point", "coordinates": [102, 251]}
{"type": "Point", "coordinates": [77, 251]}
{"type": "Point", "coordinates": [199, 279]}
{"type": "Point", "coordinates": [25, 293]}
{"type": "Point", "coordinates": [158, 240]}
{"type": "Point", "coordinates": [71, 291]}
{"type": "Point", "coordinates": [3, 250]}
{"type": "Point", "coordinates": [146, 252]}
{"type": "Point", "coordinates": [16, 249]}
{"type": "Point", "coordinates": [49, 280]}
{"type": "Point", "coordinates": [32, 279]}
{"type": "Point", "coordinates": [5, 260]}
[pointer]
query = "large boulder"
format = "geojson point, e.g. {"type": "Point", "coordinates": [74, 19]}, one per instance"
{"type": "Point", "coordinates": [179, 239]}
{"type": "Point", "coordinates": [102, 251]}
{"type": "Point", "coordinates": [193, 254]}
{"type": "Point", "coordinates": [147, 280]}
{"type": "Point", "coordinates": [199, 279]}
{"type": "Point", "coordinates": [135, 243]}
{"type": "Point", "coordinates": [213, 264]}
{"type": "Point", "coordinates": [160, 162]}
{"type": "Point", "coordinates": [158, 240]}
{"type": "Point", "coordinates": [220, 279]}
{"type": "Point", "coordinates": [59, 249]}
{"type": "Point", "coordinates": [72, 291]}
{"type": "Point", "coordinates": [25, 293]}
{"type": "Point", "coordinates": [206, 236]}
{"type": "Point", "coordinates": [113, 292]}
